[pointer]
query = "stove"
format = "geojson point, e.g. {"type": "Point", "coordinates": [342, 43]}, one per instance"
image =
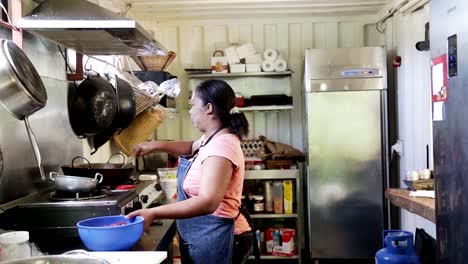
{"type": "Point", "coordinates": [51, 217]}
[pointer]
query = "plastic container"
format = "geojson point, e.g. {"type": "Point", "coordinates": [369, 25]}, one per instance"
{"type": "Point", "coordinates": [110, 233]}
{"type": "Point", "coordinates": [15, 245]}
{"type": "Point", "coordinates": [169, 188]}
{"type": "Point", "coordinates": [268, 187]}
{"type": "Point", "coordinates": [167, 173]}
{"type": "Point", "coordinates": [168, 182]}
{"type": "Point", "coordinates": [278, 197]}
{"type": "Point", "coordinates": [398, 248]}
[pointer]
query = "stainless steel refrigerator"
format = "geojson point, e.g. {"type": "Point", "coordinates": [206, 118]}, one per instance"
{"type": "Point", "coordinates": [346, 141]}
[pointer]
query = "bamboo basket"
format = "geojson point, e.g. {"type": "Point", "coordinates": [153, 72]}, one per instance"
{"type": "Point", "coordinates": [144, 125]}
{"type": "Point", "coordinates": [157, 62]}
{"type": "Point", "coordinates": [143, 100]}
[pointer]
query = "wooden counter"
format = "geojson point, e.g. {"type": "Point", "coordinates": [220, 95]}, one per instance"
{"type": "Point", "coordinates": [424, 207]}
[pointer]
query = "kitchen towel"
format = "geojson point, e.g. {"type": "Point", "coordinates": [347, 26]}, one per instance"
{"type": "Point", "coordinates": [281, 65]}
{"type": "Point", "coordinates": [268, 66]}
{"type": "Point", "coordinates": [422, 193]}
{"type": "Point", "coordinates": [270, 54]}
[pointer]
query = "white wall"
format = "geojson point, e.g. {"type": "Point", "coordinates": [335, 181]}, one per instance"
{"type": "Point", "coordinates": [195, 40]}
{"type": "Point", "coordinates": [413, 100]}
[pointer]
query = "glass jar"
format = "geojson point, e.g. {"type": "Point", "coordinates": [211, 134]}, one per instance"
{"type": "Point", "coordinates": [258, 204]}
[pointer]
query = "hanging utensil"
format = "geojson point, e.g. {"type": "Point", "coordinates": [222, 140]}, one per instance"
{"type": "Point", "coordinates": [93, 107]}
{"type": "Point", "coordinates": [22, 92]}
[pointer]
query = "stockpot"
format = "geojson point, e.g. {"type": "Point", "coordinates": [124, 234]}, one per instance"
{"type": "Point", "coordinates": [22, 92]}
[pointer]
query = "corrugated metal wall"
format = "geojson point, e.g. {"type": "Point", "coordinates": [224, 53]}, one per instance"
{"type": "Point", "coordinates": [195, 40]}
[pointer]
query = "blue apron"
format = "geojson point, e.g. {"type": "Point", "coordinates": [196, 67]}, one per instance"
{"type": "Point", "coordinates": [205, 239]}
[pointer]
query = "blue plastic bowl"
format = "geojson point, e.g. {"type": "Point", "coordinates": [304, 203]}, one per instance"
{"type": "Point", "coordinates": [97, 234]}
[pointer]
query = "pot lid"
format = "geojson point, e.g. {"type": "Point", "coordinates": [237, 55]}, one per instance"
{"type": "Point", "coordinates": [90, 29]}
{"type": "Point", "coordinates": [25, 71]}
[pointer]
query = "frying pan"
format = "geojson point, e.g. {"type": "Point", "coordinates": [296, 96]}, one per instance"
{"type": "Point", "coordinates": [93, 107]}
{"type": "Point", "coordinates": [22, 92]}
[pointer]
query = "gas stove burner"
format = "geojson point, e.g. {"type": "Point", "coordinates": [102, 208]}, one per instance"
{"type": "Point", "coordinates": [78, 196]}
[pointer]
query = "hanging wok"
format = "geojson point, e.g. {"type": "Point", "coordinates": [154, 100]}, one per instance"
{"type": "Point", "coordinates": [125, 114]}
{"type": "Point", "coordinates": [93, 107]}
{"type": "Point", "coordinates": [22, 92]}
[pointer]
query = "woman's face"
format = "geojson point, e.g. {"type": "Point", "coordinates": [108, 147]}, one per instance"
{"type": "Point", "coordinates": [197, 111]}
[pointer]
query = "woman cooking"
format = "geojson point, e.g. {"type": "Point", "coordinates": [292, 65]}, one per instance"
{"type": "Point", "coordinates": [210, 179]}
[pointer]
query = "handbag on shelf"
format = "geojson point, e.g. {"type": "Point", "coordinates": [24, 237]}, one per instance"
{"type": "Point", "coordinates": [219, 62]}
{"type": "Point", "coordinates": [278, 151]}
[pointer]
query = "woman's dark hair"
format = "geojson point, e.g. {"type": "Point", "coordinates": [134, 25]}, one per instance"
{"type": "Point", "coordinates": [221, 96]}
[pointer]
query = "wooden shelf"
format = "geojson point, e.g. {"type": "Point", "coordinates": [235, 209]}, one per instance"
{"type": "Point", "coordinates": [424, 207]}
{"type": "Point", "coordinates": [270, 174]}
{"type": "Point", "coordinates": [240, 74]}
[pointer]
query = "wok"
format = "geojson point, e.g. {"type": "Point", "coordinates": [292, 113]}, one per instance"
{"type": "Point", "coordinates": [93, 107]}
{"type": "Point", "coordinates": [114, 173]}
{"type": "Point", "coordinates": [22, 92]}
{"type": "Point", "coordinates": [125, 115]}
{"type": "Point", "coordinates": [68, 183]}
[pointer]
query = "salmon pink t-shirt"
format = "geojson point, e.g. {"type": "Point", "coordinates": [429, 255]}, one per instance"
{"type": "Point", "coordinates": [226, 146]}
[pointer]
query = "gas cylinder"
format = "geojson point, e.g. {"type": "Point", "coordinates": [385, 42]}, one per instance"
{"type": "Point", "coordinates": [398, 248]}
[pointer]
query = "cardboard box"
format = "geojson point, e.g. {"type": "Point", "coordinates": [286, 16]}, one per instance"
{"type": "Point", "coordinates": [281, 242]}
{"type": "Point", "coordinates": [234, 68]}
{"type": "Point", "coordinates": [288, 196]}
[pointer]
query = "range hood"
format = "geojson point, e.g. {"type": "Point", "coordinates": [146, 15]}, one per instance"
{"type": "Point", "coordinates": [89, 29]}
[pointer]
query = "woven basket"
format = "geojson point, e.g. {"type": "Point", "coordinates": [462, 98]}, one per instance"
{"type": "Point", "coordinates": [143, 100]}
{"type": "Point", "coordinates": [139, 130]}
{"type": "Point", "coordinates": [158, 62]}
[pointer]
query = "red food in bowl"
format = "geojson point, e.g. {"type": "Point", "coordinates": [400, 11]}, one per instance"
{"type": "Point", "coordinates": [117, 224]}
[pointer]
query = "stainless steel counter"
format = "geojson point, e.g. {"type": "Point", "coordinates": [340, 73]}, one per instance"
{"type": "Point", "coordinates": [159, 237]}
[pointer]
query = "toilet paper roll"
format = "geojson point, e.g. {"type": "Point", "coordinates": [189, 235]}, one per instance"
{"type": "Point", "coordinates": [281, 65]}
{"type": "Point", "coordinates": [268, 66]}
{"type": "Point", "coordinates": [270, 54]}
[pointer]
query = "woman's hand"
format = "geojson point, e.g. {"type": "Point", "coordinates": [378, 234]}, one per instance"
{"type": "Point", "coordinates": [143, 149]}
{"type": "Point", "coordinates": [146, 214]}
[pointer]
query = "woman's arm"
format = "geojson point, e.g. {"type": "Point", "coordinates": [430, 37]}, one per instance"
{"type": "Point", "coordinates": [173, 147]}
{"type": "Point", "coordinates": [217, 173]}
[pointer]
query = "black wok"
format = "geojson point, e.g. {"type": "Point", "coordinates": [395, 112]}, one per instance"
{"type": "Point", "coordinates": [114, 173]}
{"type": "Point", "coordinates": [93, 107]}
{"type": "Point", "coordinates": [124, 117]}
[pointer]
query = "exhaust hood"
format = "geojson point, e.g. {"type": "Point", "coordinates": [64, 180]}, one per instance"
{"type": "Point", "coordinates": [89, 29]}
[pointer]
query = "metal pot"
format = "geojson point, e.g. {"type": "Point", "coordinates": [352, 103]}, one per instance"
{"type": "Point", "coordinates": [114, 173]}
{"type": "Point", "coordinates": [92, 107]}
{"type": "Point", "coordinates": [68, 183]}
{"type": "Point", "coordinates": [22, 92]}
